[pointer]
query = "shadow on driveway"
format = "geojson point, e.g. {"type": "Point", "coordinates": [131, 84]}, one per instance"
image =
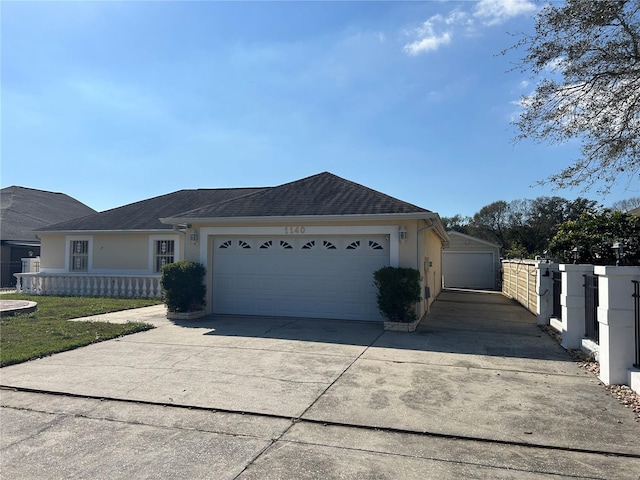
{"type": "Point", "coordinates": [460, 321]}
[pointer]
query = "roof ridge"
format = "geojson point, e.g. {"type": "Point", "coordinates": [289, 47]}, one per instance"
{"type": "Point", "coordinates": [32, 189]}
{"type": "Point", "coordinates": [224, 202]}
{"type": "Point", "coordinates": [312, 192]}
{"type": "Point", "coordinates": [378, 192]}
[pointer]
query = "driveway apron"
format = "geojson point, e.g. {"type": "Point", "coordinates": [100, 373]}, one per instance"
{"type": "Point", "coordinates": [479, 391]}
{"type": "Point", "coordinates": [479, 367]}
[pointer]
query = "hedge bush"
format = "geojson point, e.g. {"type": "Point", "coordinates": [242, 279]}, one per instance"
{"type": "Point", "coordinates": [398, 291]}
{"type": "Point", "coordinates": [183, 286]}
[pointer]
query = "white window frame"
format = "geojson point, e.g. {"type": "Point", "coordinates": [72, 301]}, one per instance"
{"type": "Point", "coordinates": [177, 249]}
{"type": "Point", "coordinates": [68, 256]}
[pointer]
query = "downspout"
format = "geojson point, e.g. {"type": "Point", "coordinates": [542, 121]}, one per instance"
{"type": "Point", "coordinates": [418, 258]}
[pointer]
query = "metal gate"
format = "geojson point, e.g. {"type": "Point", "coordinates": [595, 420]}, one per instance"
{"type": "Point", "coordinates": [591, 328]}
{"type": "Point", "coordinates": [636, 309]}
{"type": "Point", "coordinates": [557, 290]}
{"type": "Point", "coordinates": [8, 268]}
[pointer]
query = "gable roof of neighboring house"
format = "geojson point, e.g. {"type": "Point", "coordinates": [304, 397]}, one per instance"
{"type": "Point", "coordinates": [24, 210]}
{"type": "Point", "coordinates": [323, 194]}
{"type": "Point", "coordinates": [635, 211]}
{"type": "Point", "coordinates": [145, 214]}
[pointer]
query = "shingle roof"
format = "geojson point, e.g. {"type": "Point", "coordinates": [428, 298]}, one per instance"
{"type": "Point", "coordinates": [23, 210]}
{"type": "Point", "coordinates": [146, 214]}
{"type": "Point", "coordinates": [321, 194]}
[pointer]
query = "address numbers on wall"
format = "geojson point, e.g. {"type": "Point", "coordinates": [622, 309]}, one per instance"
{"type": "Point", "coordinates": [298, 230]}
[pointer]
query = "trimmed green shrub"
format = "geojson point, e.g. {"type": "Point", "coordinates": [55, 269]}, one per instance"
{"type": "Point", "coordinates": [398, 291]}
{"type": "Point", "coordinates": [183, 286]}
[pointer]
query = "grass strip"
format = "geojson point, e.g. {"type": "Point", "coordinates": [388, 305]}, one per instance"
{"type": "Point", "coordinates": [48, 331]}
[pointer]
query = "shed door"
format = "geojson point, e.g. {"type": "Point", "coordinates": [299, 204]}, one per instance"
{"type": "Point", "coordinates": [300, 276]}
{"type": "Point", "coordinates": [469, 270]}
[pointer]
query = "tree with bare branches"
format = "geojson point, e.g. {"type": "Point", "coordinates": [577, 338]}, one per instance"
{"type": "Point", "coordinates": [585, 57]}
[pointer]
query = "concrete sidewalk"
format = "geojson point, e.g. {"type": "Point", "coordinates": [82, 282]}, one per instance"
{"type": "Point", "coordinates": [479, 392]}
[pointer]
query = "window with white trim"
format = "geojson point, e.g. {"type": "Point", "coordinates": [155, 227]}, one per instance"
{"type": "Point", "coordinates": [79, 256]}
{"type": "Point", "coordinates": [163, 253]}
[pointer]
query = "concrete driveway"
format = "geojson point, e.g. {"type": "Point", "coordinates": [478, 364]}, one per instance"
{"type": "Point", "coordinates": [478, 392]}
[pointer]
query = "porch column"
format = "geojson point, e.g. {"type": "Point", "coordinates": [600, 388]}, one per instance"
{"type": "Point", "coordinates": [544, 289]}
{"type": "Point", "coordinates": [572, 301]}
{"type": "Point", "coordinates": [616, 322]}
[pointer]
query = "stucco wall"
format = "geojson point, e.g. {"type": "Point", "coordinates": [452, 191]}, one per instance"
{"type": "Point", "coordinates": [121, 252]}
{"type": "Point", "coordinates": [433, 261]}
{"type": "Point", "coordinates": [114, 253]}
{"type": "Point", "coordinates": [52, 252]}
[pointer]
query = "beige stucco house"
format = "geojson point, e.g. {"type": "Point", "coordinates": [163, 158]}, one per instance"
{"type": "Point", "coordinates": [306, 248]}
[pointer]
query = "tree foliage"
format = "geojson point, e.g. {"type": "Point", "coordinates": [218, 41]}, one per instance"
{"type": "Point", "coordinates": [594, 233]}
{"type": "Point", "coordinates": [586, 56]}
{"type": "Point", "coordinates": [523, 228]}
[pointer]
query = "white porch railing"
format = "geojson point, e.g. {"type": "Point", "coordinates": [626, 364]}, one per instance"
{"type": "Point", "coordinates": [89, 285]}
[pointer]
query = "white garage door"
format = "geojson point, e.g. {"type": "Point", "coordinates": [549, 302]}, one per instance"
{"type": "Point", "coordinates": [301, 276]}
{"type": "Point", "coordinates": [469, 270]}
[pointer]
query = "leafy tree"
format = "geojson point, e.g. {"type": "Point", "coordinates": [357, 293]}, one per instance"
{"type": "Point", "coordinates": [491, 223]}
{"type": "Point", "coordinates": [522, 228]}
{"type": "Point", "coordinates": [456, 223]}
{"type": "Point", "coordinates": [515, 250]}
{"type": "Point", "coordinates": [542, 217]}
{"type": "Point", "coordinates": [586, 54]}
{"type": "Point", "coordinates": [594, 234]}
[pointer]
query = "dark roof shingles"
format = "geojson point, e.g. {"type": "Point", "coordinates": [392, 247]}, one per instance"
{"type": "Point", "coordinates": [146, 214]}
{"type": "Point", "coordinates": [321, 194]}
{"type": "Point", "coordinates": [24, 210]}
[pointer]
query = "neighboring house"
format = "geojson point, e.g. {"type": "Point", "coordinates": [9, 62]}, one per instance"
{"type": "Point", "coordinates": [23, 210]}
{"type": "Point", "coordinates": [635, 211]}
{"type": "Point", "coordinates": [306, 248]}
{"type": "Point", "coordinates": [470, 262]}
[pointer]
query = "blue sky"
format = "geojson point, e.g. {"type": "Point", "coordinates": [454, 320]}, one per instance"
{"type": "Point", "coordinates": [114, 102]}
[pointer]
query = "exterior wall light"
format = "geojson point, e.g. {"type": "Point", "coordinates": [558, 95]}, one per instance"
{"type": "Point", "coordinates": [618, 250]}
{"type": "Point", "coordinates": [193, 236]}
{"type": "Point", "coordinates": [402, 234]}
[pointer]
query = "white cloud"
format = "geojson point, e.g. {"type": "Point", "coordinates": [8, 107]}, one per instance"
{"type": "Point", "coordinates": [439, 30]}
{"type": "Point", "coordinates": [494, 12]}
{"type": "Point", "coordinates": [428, 43]}
{"type": "Point", "coordinates": [428, 36]}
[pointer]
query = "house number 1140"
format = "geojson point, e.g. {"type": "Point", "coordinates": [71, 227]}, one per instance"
{"type": "Point", "coordinates": [293, 230]}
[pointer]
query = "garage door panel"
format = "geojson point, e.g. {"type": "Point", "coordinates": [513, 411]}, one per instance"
{"type": "Point", "coordinates": [469, 270]}
{"type": "Point", "coordinates": [327, 277]}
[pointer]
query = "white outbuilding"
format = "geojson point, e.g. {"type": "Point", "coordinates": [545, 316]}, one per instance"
{"type": "Point", "coordinates": [471, 262]}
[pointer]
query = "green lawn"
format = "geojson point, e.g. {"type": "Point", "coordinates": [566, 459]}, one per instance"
{"type": "Point", "coordinates": [47, 331]}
